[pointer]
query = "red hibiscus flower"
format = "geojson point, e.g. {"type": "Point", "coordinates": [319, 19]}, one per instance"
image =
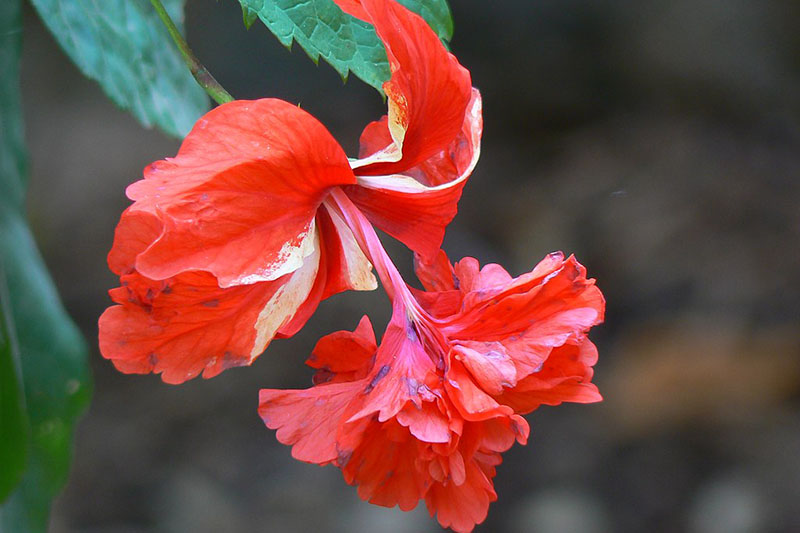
{"type": "Point", "coordinates": [426, 414]}
{"type": "Point", "coordinates": [261, 215]}
{"type": "Point", "coordinates": [230, 243]}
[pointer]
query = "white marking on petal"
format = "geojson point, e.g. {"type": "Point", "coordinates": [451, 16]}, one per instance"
{"type": "Point", "coordinates": [280, 309]}
{"type": "Point", "coordinates": [390, 154]}
{"type": "Point", "coordinates": [288, 259]}
{"type": "Point", "coordinates": [397, 123]}
{"type": "Point", "coordinates": [407, 184]}
{"type": "Point", "coordinates": [394, 182]}
{"type": "Point", "coordinates": [398, 117]}
{"type": "Point", "coordinates": [359, 269]}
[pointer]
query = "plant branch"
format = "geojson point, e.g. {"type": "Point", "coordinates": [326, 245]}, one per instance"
{"type": "Point", "coordinates": [200, 73]}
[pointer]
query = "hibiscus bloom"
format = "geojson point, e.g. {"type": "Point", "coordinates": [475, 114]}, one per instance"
{"type": "Point", "coordinates": [261, 215]}
{"type": "Point", "coordinates": [231, 243]}
{"type": "Point", "coordinates": [426, 414]}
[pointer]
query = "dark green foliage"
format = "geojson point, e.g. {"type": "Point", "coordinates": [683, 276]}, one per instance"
{"type": "Point", "coordinates": [43, 371]}
{"type": "Point", "coordinates": [346, 43]}
{"type": "Point", "coordinates": [124, 46]}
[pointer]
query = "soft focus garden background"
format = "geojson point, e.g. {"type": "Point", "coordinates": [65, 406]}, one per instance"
{"type": "Point", "coordinates": [659, 142]}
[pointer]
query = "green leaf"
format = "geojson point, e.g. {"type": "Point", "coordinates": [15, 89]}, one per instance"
{"type": "Point", "coordinates": [436, 13]}
{"type": "Point", "coordinates": [346, 43]}
{"type": "Point", "coordinates": [248, 16]}
{"type": "Point", "coordinates": [55, 376]}
{"type": "Point", "coordinates": [124, 46]}
{"type": "Point", "coordinates": [13, 414]}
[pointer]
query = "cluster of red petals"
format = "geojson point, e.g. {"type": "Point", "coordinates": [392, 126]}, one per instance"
{"type": "Point", "coordinates": [426, 414]}
{"type": "Point", "coordinates": [230, 243]}
{"type": "Point", "coordinates": [261, 215]}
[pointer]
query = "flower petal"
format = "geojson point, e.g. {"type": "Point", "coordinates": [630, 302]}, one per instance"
{"type": "Point", "coordinates": [437, 274]}
{"type": "Point", "coordinates": [427, 94]}
{"type": "Point", "coordinates": [343, 353]}
{"type": "Point", "coordinates": [347, 266]}
{"type": "Point", "coordinates": [471, 400]}
{"type": "Point", "coordinates": [354, 8]}
{"type": "Point", "coordinates": [135, 232]}
{"type": "Point", "coordinates": [399, 373]}
{"type": "Point", "coordinates": [239, 199]}
{"type": "Point", "coordinates": [415, 207]}
{"type": "Point", "coordinates": [384, 468]}
{"type": "Point", "coordinates": [490, 366]}
{"type": "Point", "coordinates": [564, 377]}
{"type": "Point", "coordinates": [309, 419]}
{"type": "Point", "coordinates": [426, 422]}
{"type": "Point", "coordinates": [461, 507]}
{"type": "Point", "coordinates": [343, 266]}
{"type": "Point", "coordinates": [547, 310]}
{"type": "Point", "coordinates": [187, 324]}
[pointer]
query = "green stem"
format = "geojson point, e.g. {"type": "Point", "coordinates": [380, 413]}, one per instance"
{"type": "Point", "coordinates": [200, 73]}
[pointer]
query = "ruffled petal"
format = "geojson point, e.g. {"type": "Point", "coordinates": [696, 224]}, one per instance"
{"type": "Point", "coordinates": [308, 420]}
{"type": "Point", "coordinates": [425, 422]}
{"type": "Point", "coordinates": [490, 365]}
{"type": "Point", "coordinates": [399, 373]}
{"type": "Point", "coordinates": [427, 94]}
{"type": "Point", "coordinates": [187, 324]}
{"type": "Point", "coordinates": [470, 399]}
{"type": "Point", "coordinates": [461, 507]}
{"type": "Point", "coordinates": [341, 355]}
{"type": "Point", "coordinates": [564, 377]}
{"type": "Point", "coordinates": [135, 232]}
{"type": "Point", "coordinates": [547, 310]}
{"type": "Point", "coordinates": [384, 468]}
{"type": "Point", "coordinates": [239, 199]}
{"type": "Point", "coordinates": [416, 207]}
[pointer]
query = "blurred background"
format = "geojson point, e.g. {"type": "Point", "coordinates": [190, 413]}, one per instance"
{"type": "Point", "coordinates": [659, 142]}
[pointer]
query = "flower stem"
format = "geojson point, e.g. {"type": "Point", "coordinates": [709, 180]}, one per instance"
{"type": "Point", "coordinates": [370, 244]}
{"type": "Point", "coordinates": [200, 73]}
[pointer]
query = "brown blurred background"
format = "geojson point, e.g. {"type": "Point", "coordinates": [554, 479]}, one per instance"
{"type": "Point", "coordinates": [659, 142]}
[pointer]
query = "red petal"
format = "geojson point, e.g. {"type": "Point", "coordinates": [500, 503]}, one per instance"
{"type": "Point", "coordinates": [354, 8]}
{"type": "Point", "coordinates": [426, 422]}
{"type": "Point", "coordinates": [399, 374]}
{"type": "Point", "coordinates": [239, 199]}
{"type": "Point", "coordinates": [565, 377]}
{"type": "Point", "coordinates": [384, 468]}
{"type": "Point", "coordinates": [347, 266]}
{"type": "Point", "coordinates": [436, 275]}
{"type": "Point", "coordinates": [343, 266]}
{"type": "Point", "coordinates": [551, 309]}
{"type": "Point", "coordinates": [490, 366]}
{"type": "Point", "coordinates": [344, 352]}
{"type": "Point", "coordinates": [187, 324]}
{"type": "Point", "coordinates": [473, 278]}
{"type": "Point", "coordinates": [135, 232]}
{"type": "Point", "coordinates": [428, 92]}
{"type": "Point", "coordinates": [471, 401]}
{"type": "Point", "coordinates": [461, 507]}
{"type": "Point", "coordinates": [416, 207]}
{"type": "Point", "coordinates": [493, 281]}
{"type": "Point", "coordinates": [498, 434]}
{"type": "Point", "coordinates": [308, 420]}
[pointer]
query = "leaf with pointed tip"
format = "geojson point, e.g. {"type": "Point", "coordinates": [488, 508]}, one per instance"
{"type": "Point", "coordinates": [248, 16]}
{"type": "Point", "coordinates": [123, 45]}
{"type": "Point", "coordinates": [346, 43]}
